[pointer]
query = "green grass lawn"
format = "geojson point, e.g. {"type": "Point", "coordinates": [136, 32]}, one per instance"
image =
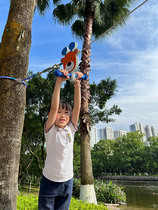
{"type": "Point", "coordinates": [24, 190]}
{"type": "Point", "coordinates": [29, 201]}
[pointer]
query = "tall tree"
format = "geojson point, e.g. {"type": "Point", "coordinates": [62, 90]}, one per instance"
{"type": "Point", "coordinates": [101, 153]}
{"type": "Point", "coordinates": [91, 17]}
{"type": "Point", "coordinates": [126, 156]}
{"type": "Point", "coordinates": [14, 57]}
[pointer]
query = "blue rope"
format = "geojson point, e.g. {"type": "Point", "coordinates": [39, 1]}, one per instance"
{"type": "Point", "coordinates": [55, 67]}
{"type": "Point", "coordinates": [29, 77]}
{"type": "Point", "coordinates": [12, 78]}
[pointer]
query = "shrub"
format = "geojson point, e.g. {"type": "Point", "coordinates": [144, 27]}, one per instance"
{"type": "Point", "coordinates": [105, 192]}
{"type": "Point", "coordinates": [76, 188]}
{"type": "Point", "coordinates": [109, 192]}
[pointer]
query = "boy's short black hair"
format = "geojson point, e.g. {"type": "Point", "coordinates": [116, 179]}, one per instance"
{"type": "Point", "coordinates": [66, 106]}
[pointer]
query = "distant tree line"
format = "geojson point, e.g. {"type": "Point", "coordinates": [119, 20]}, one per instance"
{"type": "Point", "coordinates": [126, 155]}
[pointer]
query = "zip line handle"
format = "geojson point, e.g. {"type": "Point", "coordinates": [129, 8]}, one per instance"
{"type": "Point", "coordinates": [57, 73]}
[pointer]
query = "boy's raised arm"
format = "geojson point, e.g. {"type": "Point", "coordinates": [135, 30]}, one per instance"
{"type": "Point", "coordinates": [55, 101]}
{"type": "Point", "coordinates": [77, 103]}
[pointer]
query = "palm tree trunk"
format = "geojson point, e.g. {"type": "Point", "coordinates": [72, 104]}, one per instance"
{"type": "Point", "coordinates": [87, 192]}
{"type": "Point", "coordinates": [14, 57]}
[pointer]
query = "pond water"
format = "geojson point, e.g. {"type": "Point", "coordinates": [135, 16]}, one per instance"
{"type": "Point", "coordinates": [141, 195]}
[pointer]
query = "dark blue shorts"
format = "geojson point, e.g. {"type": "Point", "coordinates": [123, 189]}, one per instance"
{"type": "Point", "coordinates": [54, 195]}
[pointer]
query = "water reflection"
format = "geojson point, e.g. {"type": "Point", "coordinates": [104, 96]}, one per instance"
{"type": "Point", "coordinates": [140, 195]}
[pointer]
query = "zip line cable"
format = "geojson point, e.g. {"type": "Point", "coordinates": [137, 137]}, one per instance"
{"type": "Point", "coordinates": [57, 66]}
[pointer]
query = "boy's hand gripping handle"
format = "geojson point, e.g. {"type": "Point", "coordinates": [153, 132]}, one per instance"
{"type": "Point", "coordinates": [57, 73]}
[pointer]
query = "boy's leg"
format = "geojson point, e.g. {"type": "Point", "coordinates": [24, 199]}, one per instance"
{"type": "Point", "coordinates": [62, 202]}
{"type": "Point", "coordinates": [48, 191]}
{"type": "Point", "coordinates": [46, 203]}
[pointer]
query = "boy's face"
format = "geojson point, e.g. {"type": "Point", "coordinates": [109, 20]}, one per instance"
{"type": "Point", "coordinates": [62, 118]}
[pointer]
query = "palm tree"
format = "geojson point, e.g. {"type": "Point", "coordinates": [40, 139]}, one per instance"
{"type": "Point", "coordinates": [91, 18]}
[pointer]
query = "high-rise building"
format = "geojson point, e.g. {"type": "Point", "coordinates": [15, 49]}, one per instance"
{"type": "Point", "coordinates": [106, 133]}
{"type": "Point", "coordinates": [102, 133]}
{"type": "Point", "coordinates": [142, 128]}
{"type": "Point", "coordinates": [109, 133]}
{"type": "Point", "coordinates": [93, 136]}
{"type": "Point", "coordinates": [138, 127]}
{"type": "Point", "coordinates": [119, 133]}
{"type": "Point", "coordinates": [134, 127]}
{"type": "Point", "coordinates": [154, 131]}
{"type": "Point", "coordinates": [148, 131]}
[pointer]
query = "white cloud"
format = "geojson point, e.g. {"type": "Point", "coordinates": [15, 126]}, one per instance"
{"type": "Point", "coordinates": [141, 26]}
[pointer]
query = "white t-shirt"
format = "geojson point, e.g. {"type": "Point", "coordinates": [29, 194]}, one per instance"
{"type": "Point", "coordinates": [59, 147]}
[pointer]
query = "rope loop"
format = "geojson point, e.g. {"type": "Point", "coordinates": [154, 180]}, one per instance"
{"type": "Point", "coordinates": [14, 79]}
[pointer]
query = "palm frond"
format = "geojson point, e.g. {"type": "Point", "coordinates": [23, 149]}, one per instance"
{"type": "Point", "coordinates": [96, 8]}
{"type": "Point", "coordinates": [78, 28]}
{"type": "Point", "coordinates": [42, 5]}
{"type": "Point", "coordinates": [56, 2]}
{"type": "Point", "coordinates": [80, 9]}
{"type": "Point", "coordinates": [106, 14]}
{"type": "Point", "coordinates": [64, 13]}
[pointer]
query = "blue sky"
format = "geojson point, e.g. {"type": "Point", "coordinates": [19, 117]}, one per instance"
{"type": "Point", "coordinates": [129, 55]}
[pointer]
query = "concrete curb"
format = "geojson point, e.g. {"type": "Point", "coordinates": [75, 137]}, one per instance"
{"type": "Point", "coordinates": [130, 178]}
